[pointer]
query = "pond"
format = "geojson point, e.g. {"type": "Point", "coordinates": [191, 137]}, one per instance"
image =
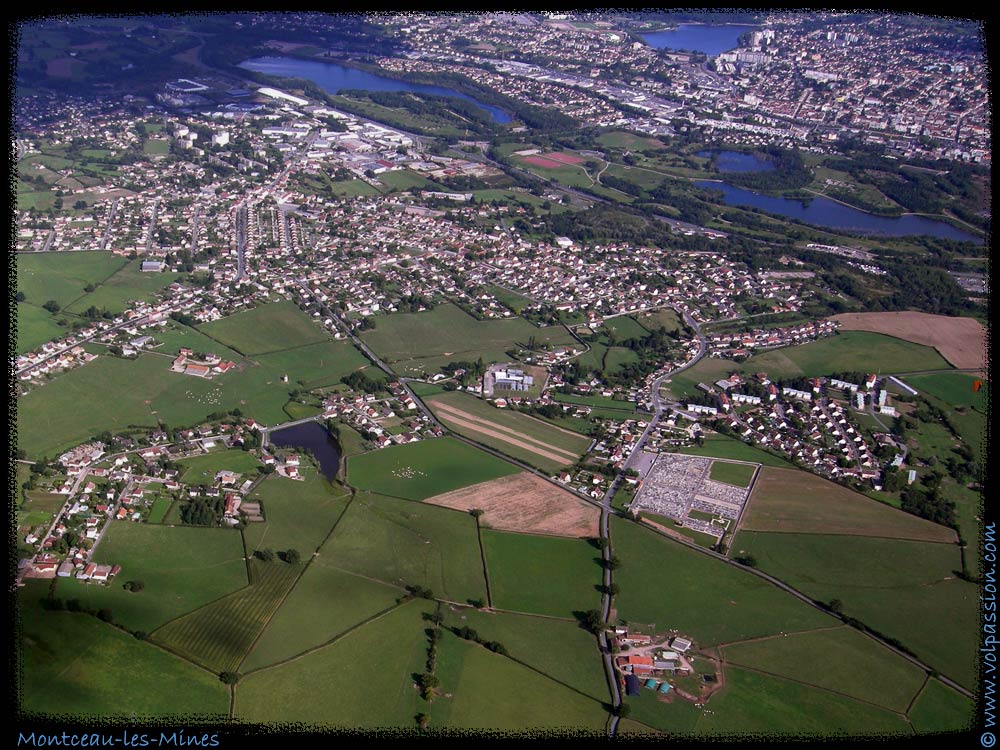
{"type": "Point", "coordinates": [737, 161]}
{"type": "Point", "coordinates": [824, 212]}
{"type": "Point", "coordinates": [315, 438]}
{"type": "Point", "coordinates": [697, 37]}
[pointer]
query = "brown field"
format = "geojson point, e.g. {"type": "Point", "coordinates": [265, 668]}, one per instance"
{"type": "Point", "coordinates": [564, 157]}
{"type": "Point", "coordinates": [541, 161]}
{"type": "Point", "coordinates": [795, 501]}
{"type": "Point", "coordinates": [961, 341]}
{"type": "Point", "coordinates": [525, 502]}
{"type": "Point", "coordinates": [504, 434]}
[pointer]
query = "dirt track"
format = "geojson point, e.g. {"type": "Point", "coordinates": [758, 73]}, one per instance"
{"type": "Point", "coordinates": [525, 502]}
{"type": "Point", "coordinates": [482, 426]}
{"type": "Point", "coordinates": [961, 341]}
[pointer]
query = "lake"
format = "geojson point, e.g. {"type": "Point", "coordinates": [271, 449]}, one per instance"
{"type": "Point", "coordinates": [311, 436]}
{"type": "Point", "coordinates": [711, 39]}
{"type": "Point", "coordinates": [335, 78]}
{"type": "Point", "coordinates": [737, 161]}
{"type": "Point", "coordinates": [824, 212]}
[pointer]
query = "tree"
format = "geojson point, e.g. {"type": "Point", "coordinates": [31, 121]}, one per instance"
{"type": "Point", "coordinates": [749, 560]}
{"type": "Point", "coordinates": [623, 710]}
{"type": "Point", "coordinates": [20, 297]}
{"type": "Point", "coordinates": [134, 586]}
{"type": "Point", "coordinates": [52, 306]}
{"type": "Point", "coordinates": [423, 720]}
{"type": "Point", "coordinates": [292, 556]}
{"type": "Point", "coordinates": [613, 562]}
{"type": "Point", "coordinates": [476, 512]}
{"type": "Point", "coordinates": [612, 589]}
{"type": "Point", "coordinates": [229, 678]}
{"type": "Point", "coordinates": [265, 555]}
{"type": "Point", "coordinates": [591, 620]}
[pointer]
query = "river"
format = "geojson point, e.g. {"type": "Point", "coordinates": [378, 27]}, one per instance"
{"type": "Point", "coordinates": [315, 438]}
{"type": "Point", "coordinates": [335, 78]}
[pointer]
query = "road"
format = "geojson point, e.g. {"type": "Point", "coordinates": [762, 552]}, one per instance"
{"type": "Point", "coordinates": [152, 225]}
{"type": "Point", "coordinates": [111, 221]}
{"type": "Point", "coordinates": [241, 240]}
{"type": "Point", "coordinates": [606, 510]}
{"type": "Point", "coordinates": [194, 229]}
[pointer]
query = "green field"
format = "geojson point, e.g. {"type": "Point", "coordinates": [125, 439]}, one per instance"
{"type": "Point", "coordinates": [795, 501]}
{"type": "Point", "coordinates": [679, 717]}
{"type": "Point", "coordinates": [299, 514]}
{"type": "Point", "coordinates": [127, 284]}
{"type": "Point", "coordinates": [513, 300]}
{"type": "Point", "coordinates": [182, 567]}
{"type": "Point", "coordinates": [757, 704]}
{"type": "Point", "coordinates": [625, 327]}
{"type": "Point", "coordinates": [847, 351]}
{"type": "Point", "coordinates": [159, 510]}
{"type": "Point", "coordinates": [401, 543]}
{"type": "Point", "coordinates": [101, 395]}
{"type": "Point", "coordinates": [202, 469]}
{"type": "Point", "coordinates": [35, 326]}
{"type": "Point", "coordinates": [738, 475]}
{"type": "Point", "coordinates": [904, 589]}
{"type": "Point", "coordinates": [268, 328]}
{"type": "Point", "coordinates": [941, 709]}
{"type": "Point", "coordinates": [76, 665]}
{"type": "Point", "coordinates": [421, 342]}
{"type": "Point", "coordinates": [841, 659]}
{"type": "Point", "coordinates": [540, 574]}
{"type": "Point", "coordinates": [63, 276]}
{"type": "Point", "coordinates": [176, 336]}
{"type": "Point", "coordinates": [489, 691]}
{"type": "Point", "coordinates": [596, 401]}
{"type": "Point", "coordinates": [562, 650]}
{"type": "Point", "coordinates": [364, 679]}
{"type": "Point", "coordinates": [324, 603]}
{"type": "Point", "coordinates": [665, 318]}
{"type": "Point", "coordinates": [565, 446]}
{"type": "Point", "coordinates": [416, 471]}
{"type": "Point", "coordinates": [723, 446]}
{"type": "Point", "coordinates": [954, 388]}
{"type": "Point", "coordinates": [665, 584]}
{"type": "Point", "coordinates": [219, 635]}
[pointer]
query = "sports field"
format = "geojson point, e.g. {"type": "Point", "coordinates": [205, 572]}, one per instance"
{"type": "Point", "coordinates": [665, 583]}
{"type": "Point", "coordinates": [795, 501]}
{"type": "Point", "coordinates": [219, 635]}
{"type": "Point", "coordinates": [323, 604]}
{"type": "Point", "coordinates": [518, 435]}
{"type": "Point", "coordinates": [76, 665]}
{"type": "Point", "coordinates": [400, 543]}
{"type": "Point", "coordinates": [426, 468]}
{"type": "Point", "coordinates": [525, 502]}
{"type": "Point", "coordinates": [182, 567]}
{"type": "Point", "coordinates": [489, 691]}
{"type": "Point", "coordinates": [841, 659]}
{"type": "Point", "coordinates": [904, 589]}
{"type": "Point", "coordinates": [267, 328]}
{"type": "Point", "coordinates": [364, 679]}
{"type": "Point", "coordinates": [561, 650]}
{"type": "Point", "coordinates": [540, 574]}
{"type": "Point", "coordinates": [422, 342]}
